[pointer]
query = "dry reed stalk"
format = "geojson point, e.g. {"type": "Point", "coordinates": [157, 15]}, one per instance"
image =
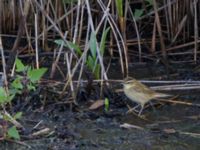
{"type": "Point", "coordinates": [174, 20]}
{"type": "Point", "coordinates": [36, 42]}
{"type": "Point", "coordinates": [116, 33]}
{"type": "Point", "coordinates": [54, 65]}
{"type": "Point", "coordinates": [196, 30]}
{"type": "Point", "coordinates": [138, 35]}
{"type": "Point", "coordinates": [158, 24]}
{"type": "Point", "coordinates": [4, 75]}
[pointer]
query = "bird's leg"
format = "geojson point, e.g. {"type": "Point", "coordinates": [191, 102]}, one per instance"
{"type": "Point", "coordinates": [133, 109]}
{"type": "Point", "coordinates": [142, 106]}
{"type": "Point", "coordinates": [152, 106]}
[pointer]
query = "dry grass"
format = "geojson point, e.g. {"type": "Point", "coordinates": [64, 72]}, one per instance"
{"type": "Point", "coordinates": [165, 28]}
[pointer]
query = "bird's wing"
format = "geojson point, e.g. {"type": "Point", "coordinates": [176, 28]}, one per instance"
{"type": "Point", "coordinates": [139, 87]}
{"type": "Point", "coordinates": [143, 88]}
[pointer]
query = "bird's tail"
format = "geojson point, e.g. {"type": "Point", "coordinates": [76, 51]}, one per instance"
{"type": "Point", "coordinates": [162, 95]}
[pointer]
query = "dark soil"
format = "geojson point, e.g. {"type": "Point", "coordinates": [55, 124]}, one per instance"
{"type": "Point", "coordinates": [167, 126]}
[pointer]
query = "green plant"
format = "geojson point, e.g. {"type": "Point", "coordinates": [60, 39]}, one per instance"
{"type": "Point", "coordinates": [139, 12]}
{"type": "Point", "coordinates": [25, 80]}
{"type": "Point", "coordinates": [92, 62]}
{"type": "Point", "coordinates": [120, 13]}
{"type": "Point", "coordinates": [5, 97]}
{"type": "Point", "coordinates": [119, 7]}
{"type": "Point", "coordinates": [8, 130]}
{"type": "Point", "coordinates": [69, 45]}
{"type": "Point", "coordinates": [106, 104]}
{"type": "Point", "coordinates": [12, 131]}
{"type": "Point", "coordinates": [150, 3]}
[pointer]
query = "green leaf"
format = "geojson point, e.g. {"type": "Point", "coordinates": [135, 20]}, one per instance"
{"type": "Point", "coordinates": [10, 97]}
{"type": "Point", "coordinates": [150, 2]}
{"type": "Point", "coordinates": [3, 95]}
{"type": "Point", "coordinates": [97, 71]}
{"type": "Point", "coordinates": [75, 47]}
{"type": "Point", "coordinates": [92, 44]}
{"type": "Point", "coordinates": [19, 65]}
{"type": "Point", "coordinates": [18, 115]}
{"type": "Point", "coordinates": [90, 63]}
{"type": "Point", "coordinates": [138, 13]}
{"type": "Point", "coordinates": [31, 87]}
{"type": "Point", "coordinates": [106, 103]}
{"type": "Point", "coordinates": [14, 91]}
{"type": "Point", "coordinates": [59, 42]}
{"type": "Point", "coordinates": [103, 41]}
{"type": "Point", "coordinates": [36, 74]}
{"type": "Point", "coordinates": [119, 6]}
{"type": "Point", "coordinates": [17, 84]}
{"type": "Point", "coordinates": [70, 45]}
{"type": "Point", "coordinates": [13, 133]}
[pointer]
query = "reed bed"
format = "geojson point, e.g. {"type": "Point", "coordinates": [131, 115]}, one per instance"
{"type": "Point", "coordinates": [136, 30]}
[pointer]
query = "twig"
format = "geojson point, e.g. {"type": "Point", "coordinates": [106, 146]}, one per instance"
{"type": "Point", "coordinates": [197, 135]}
{"type": "Point", "coordinates": [176, 87]}
{"type": "Point", "coordinates": [41, 132]}
{"type": "Point", "coordinates": [130, 126]}
{"type": "Point", "coordinates": [11, 119]}
{"type": "Point", "coordinates": [37, 124]}
{"type": "Point", "coordinates": [18, 142]}
{"type": "Point", "coordinates": [178, 102]}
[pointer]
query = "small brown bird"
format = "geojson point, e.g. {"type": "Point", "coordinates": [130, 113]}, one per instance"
{"type": "Point", "coordinates": [140, 93]}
